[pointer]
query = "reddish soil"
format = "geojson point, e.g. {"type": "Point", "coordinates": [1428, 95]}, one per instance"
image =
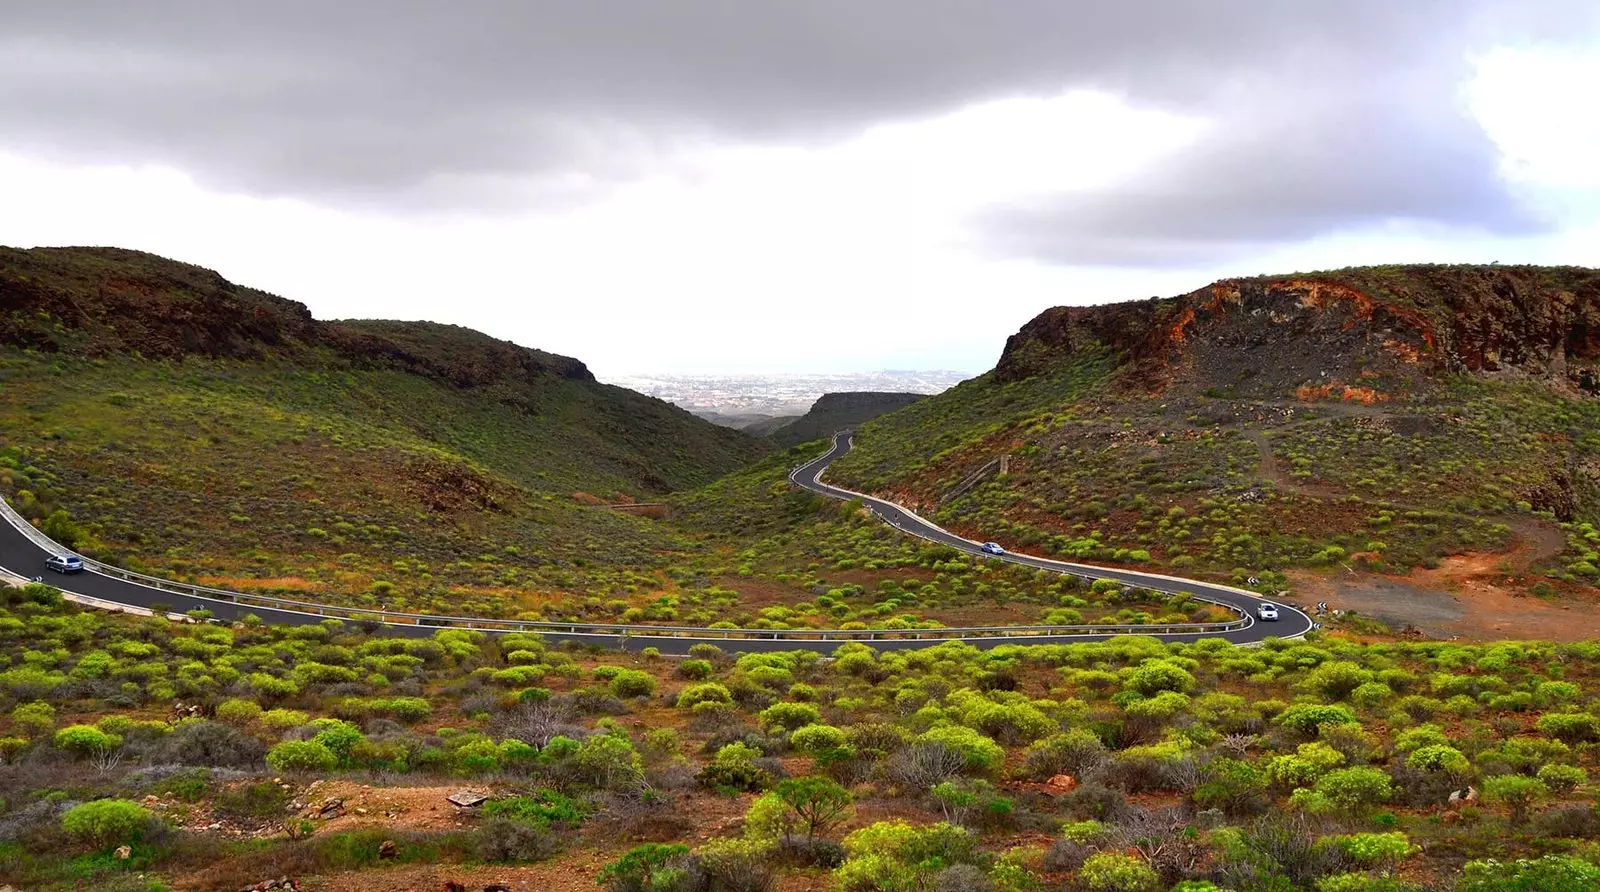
{"type": "Point", "coordinates": [1467, 596]}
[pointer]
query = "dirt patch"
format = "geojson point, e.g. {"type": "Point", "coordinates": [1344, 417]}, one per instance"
{"type": "Point", "coordinates": [1467, 596]}
{"type": "Point", "coordinates": [403, 808]}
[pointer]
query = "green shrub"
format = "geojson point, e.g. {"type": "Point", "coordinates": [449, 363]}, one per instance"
{"type": "Point", "coordinates": [1307, 718]}
{"type": "Point", "coordinates": [406, 710]}
{"type": "Point", "coordinates": [1375, 849]}
{"type": "Point", "coordinates": [33, 719]}
{"type": "Point", "coordinates": [284, 719]}
{"type": "Point", "coordinates": [896, 855]}
{"type": "Point", "coordinates": [542, 807]}
{"type": "Point", "coordinates": [1233, 786]}
{"type": "Point", "coordinates": [739, 865]}
{"type": "Point", "coordinates": [1156, 675]}
{"type": "Point", "coordinates": [339, 737]}
{"type": "Point", "coordinates": [1552, 873]}
{"type": "Point", "coordinates": [817, 738]}
{"type": "Point", "coordinates": [708, 692]}
{"type": "Point", "coordinates": [1439, 758]}
{"type": "Point", "coordinates": [238, 712]}
{"type": "Point", "coordinates": [609, 762]}
{"type": "Point", "coordinates": [1117, 872]}
{"type": "Point", "coordinates": [1355, 788]}
{"type": "Point", "coordinates": [1563, 778]}
{"type": "Point", "coordinates": [817, 804]}
{"type": "Point", "coordinates": [789, 716]}
{"type": "Point", "coordinates": [1309, 762]}
{"type": "Point", "coordinates": [107, 822]}
{"type": "Point", "coordinates": [630, 683]}
{"type": "Point", "coordinates": [86, 740]}
{"type": "Point", "coordinates": [302, 755]}
{"type": "Point", "coordinates": [695, 670]}
{"type": "Point", "coordinates": [733, 770]}
{"type": "Point", "coordinates": [982, 754]}
{"type": "Point", "coordinates": [1517, 792]}
{"type": "Point", "coordinates": [640, 867]}
{"type": "Point", "coordinates": [1570, 727]}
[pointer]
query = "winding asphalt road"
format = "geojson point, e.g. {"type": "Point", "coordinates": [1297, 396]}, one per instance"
{"type": "Point", "coordinates": [22, 556]}
{"type": "Point", "coordinates": [1292, 622]}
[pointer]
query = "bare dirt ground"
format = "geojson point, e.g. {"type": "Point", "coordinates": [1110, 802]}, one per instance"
{"type": "Point", "coordinates": [1465, 597]}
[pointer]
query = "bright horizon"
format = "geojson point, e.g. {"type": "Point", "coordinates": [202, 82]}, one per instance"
{"type": "Point", "coordinates": [695, 194]}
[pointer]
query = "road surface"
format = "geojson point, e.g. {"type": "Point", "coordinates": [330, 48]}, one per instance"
{"type": "Point", "coordinates": [1291, 623]}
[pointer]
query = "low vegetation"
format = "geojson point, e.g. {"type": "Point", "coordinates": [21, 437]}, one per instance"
{"type": "Point", "coordinates": [1327, 764]}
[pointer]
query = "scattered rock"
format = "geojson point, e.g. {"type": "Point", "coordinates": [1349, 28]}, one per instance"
{"type": "Point", "coordinates": [467, 798]}
{"type": "Point", "coordinates": [281, 884]}
{"type": "Point", "coordinates": [1465, 796]}
{"type": "Point", "coordinates": [497, 887]}
{"type": "Point", "coordinates": [124, 853]}
{"type": "Point", "coordinates": [1062, 783]}
{"type": "Point", "coordinates": [361, 811]}
{"type": "Point", "coordinates": [453, 886]}
{"type": "Point", "coordinates": [388, 849]}
{"type": "Point", "coordinates": [331, 808]}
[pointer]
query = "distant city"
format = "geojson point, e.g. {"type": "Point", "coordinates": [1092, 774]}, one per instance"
{"type": "Point", "coordinates": [738, 400]}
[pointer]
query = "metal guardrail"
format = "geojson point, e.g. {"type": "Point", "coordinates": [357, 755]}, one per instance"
{"type": "Point", "coordinates": [33, 533]}
{"type": "Point", "coordinates": [620, 630]}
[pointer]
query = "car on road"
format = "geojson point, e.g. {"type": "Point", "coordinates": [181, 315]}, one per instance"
{"type": "Point", "coordinates": [65, 563]}
{"type": "Point", "coordinates": [991, 548]}
{"type": "Point", "coordinates": [1268, 612]}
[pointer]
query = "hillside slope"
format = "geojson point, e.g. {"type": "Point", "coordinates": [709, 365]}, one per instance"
{"type": "Point", "coordinates": [201, 428]}
{"type": "Point", "coordinates": [833, 412]}
{"type": "Point", "coordinates": [1385, 418]}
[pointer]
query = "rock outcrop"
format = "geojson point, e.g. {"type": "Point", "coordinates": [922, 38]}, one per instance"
{"type": "Point", "coordinates": [1363, 334]}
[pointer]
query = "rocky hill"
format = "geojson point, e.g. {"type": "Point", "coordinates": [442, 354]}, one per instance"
{"type": "Point", "coordinates": [833, 412]}
{"type": "Point", "coordinates": [158, 402]}
{"type": "Point", "coordinates": [1366, 334]}
{"type": "Point", "coordinates": [1384, 418]}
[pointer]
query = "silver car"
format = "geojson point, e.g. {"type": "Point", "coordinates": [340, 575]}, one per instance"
{"type": "Point", "coordinates": [65, 563]}
{"type": "Point", "coordinates": [1268, 613]}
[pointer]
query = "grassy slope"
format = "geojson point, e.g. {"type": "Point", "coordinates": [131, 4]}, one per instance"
{"type": "Point", "coordinates": [1252, 488]}
{"type": "Point", "coordinates": [321, 468]}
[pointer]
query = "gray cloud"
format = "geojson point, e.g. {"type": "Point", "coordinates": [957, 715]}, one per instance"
{"type": "Point", "coordinates": [1329, 114]}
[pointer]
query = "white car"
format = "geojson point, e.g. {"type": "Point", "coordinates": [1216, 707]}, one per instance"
{"type": "Point", "coordinates": [991, 548]}
{"type": "Point", "coordinates": [1268, 613]}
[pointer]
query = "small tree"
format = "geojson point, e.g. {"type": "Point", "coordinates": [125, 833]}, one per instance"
{"type": "Point", "coordinates": [60, 527]}
{"type": "Point", "coordinates": [818, 803]}
{"type": "Point", "coordinates": [1517, 792]}
{"type": "Point", "coordinates": [86, 741]}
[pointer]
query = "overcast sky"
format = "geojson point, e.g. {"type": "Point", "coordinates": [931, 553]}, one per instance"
{"type": "Point", "coordinates": [794, 185]}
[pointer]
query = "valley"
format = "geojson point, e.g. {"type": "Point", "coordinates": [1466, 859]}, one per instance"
{"type": "Point", "coordinates": [1398, 444]}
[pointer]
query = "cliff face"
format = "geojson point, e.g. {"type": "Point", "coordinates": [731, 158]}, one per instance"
{"type": "Point", "coordinates": [1366, 334]}
{"type": "Point", "coordinates": [107, 301]}
{"type": "Point", "coordinates": [833, 412]}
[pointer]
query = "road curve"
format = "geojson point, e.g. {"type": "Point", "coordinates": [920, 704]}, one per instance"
{"type": "Point", "coordinates": [23, 556]}
{"type": "Point", "coordinates": [1292, 622]}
